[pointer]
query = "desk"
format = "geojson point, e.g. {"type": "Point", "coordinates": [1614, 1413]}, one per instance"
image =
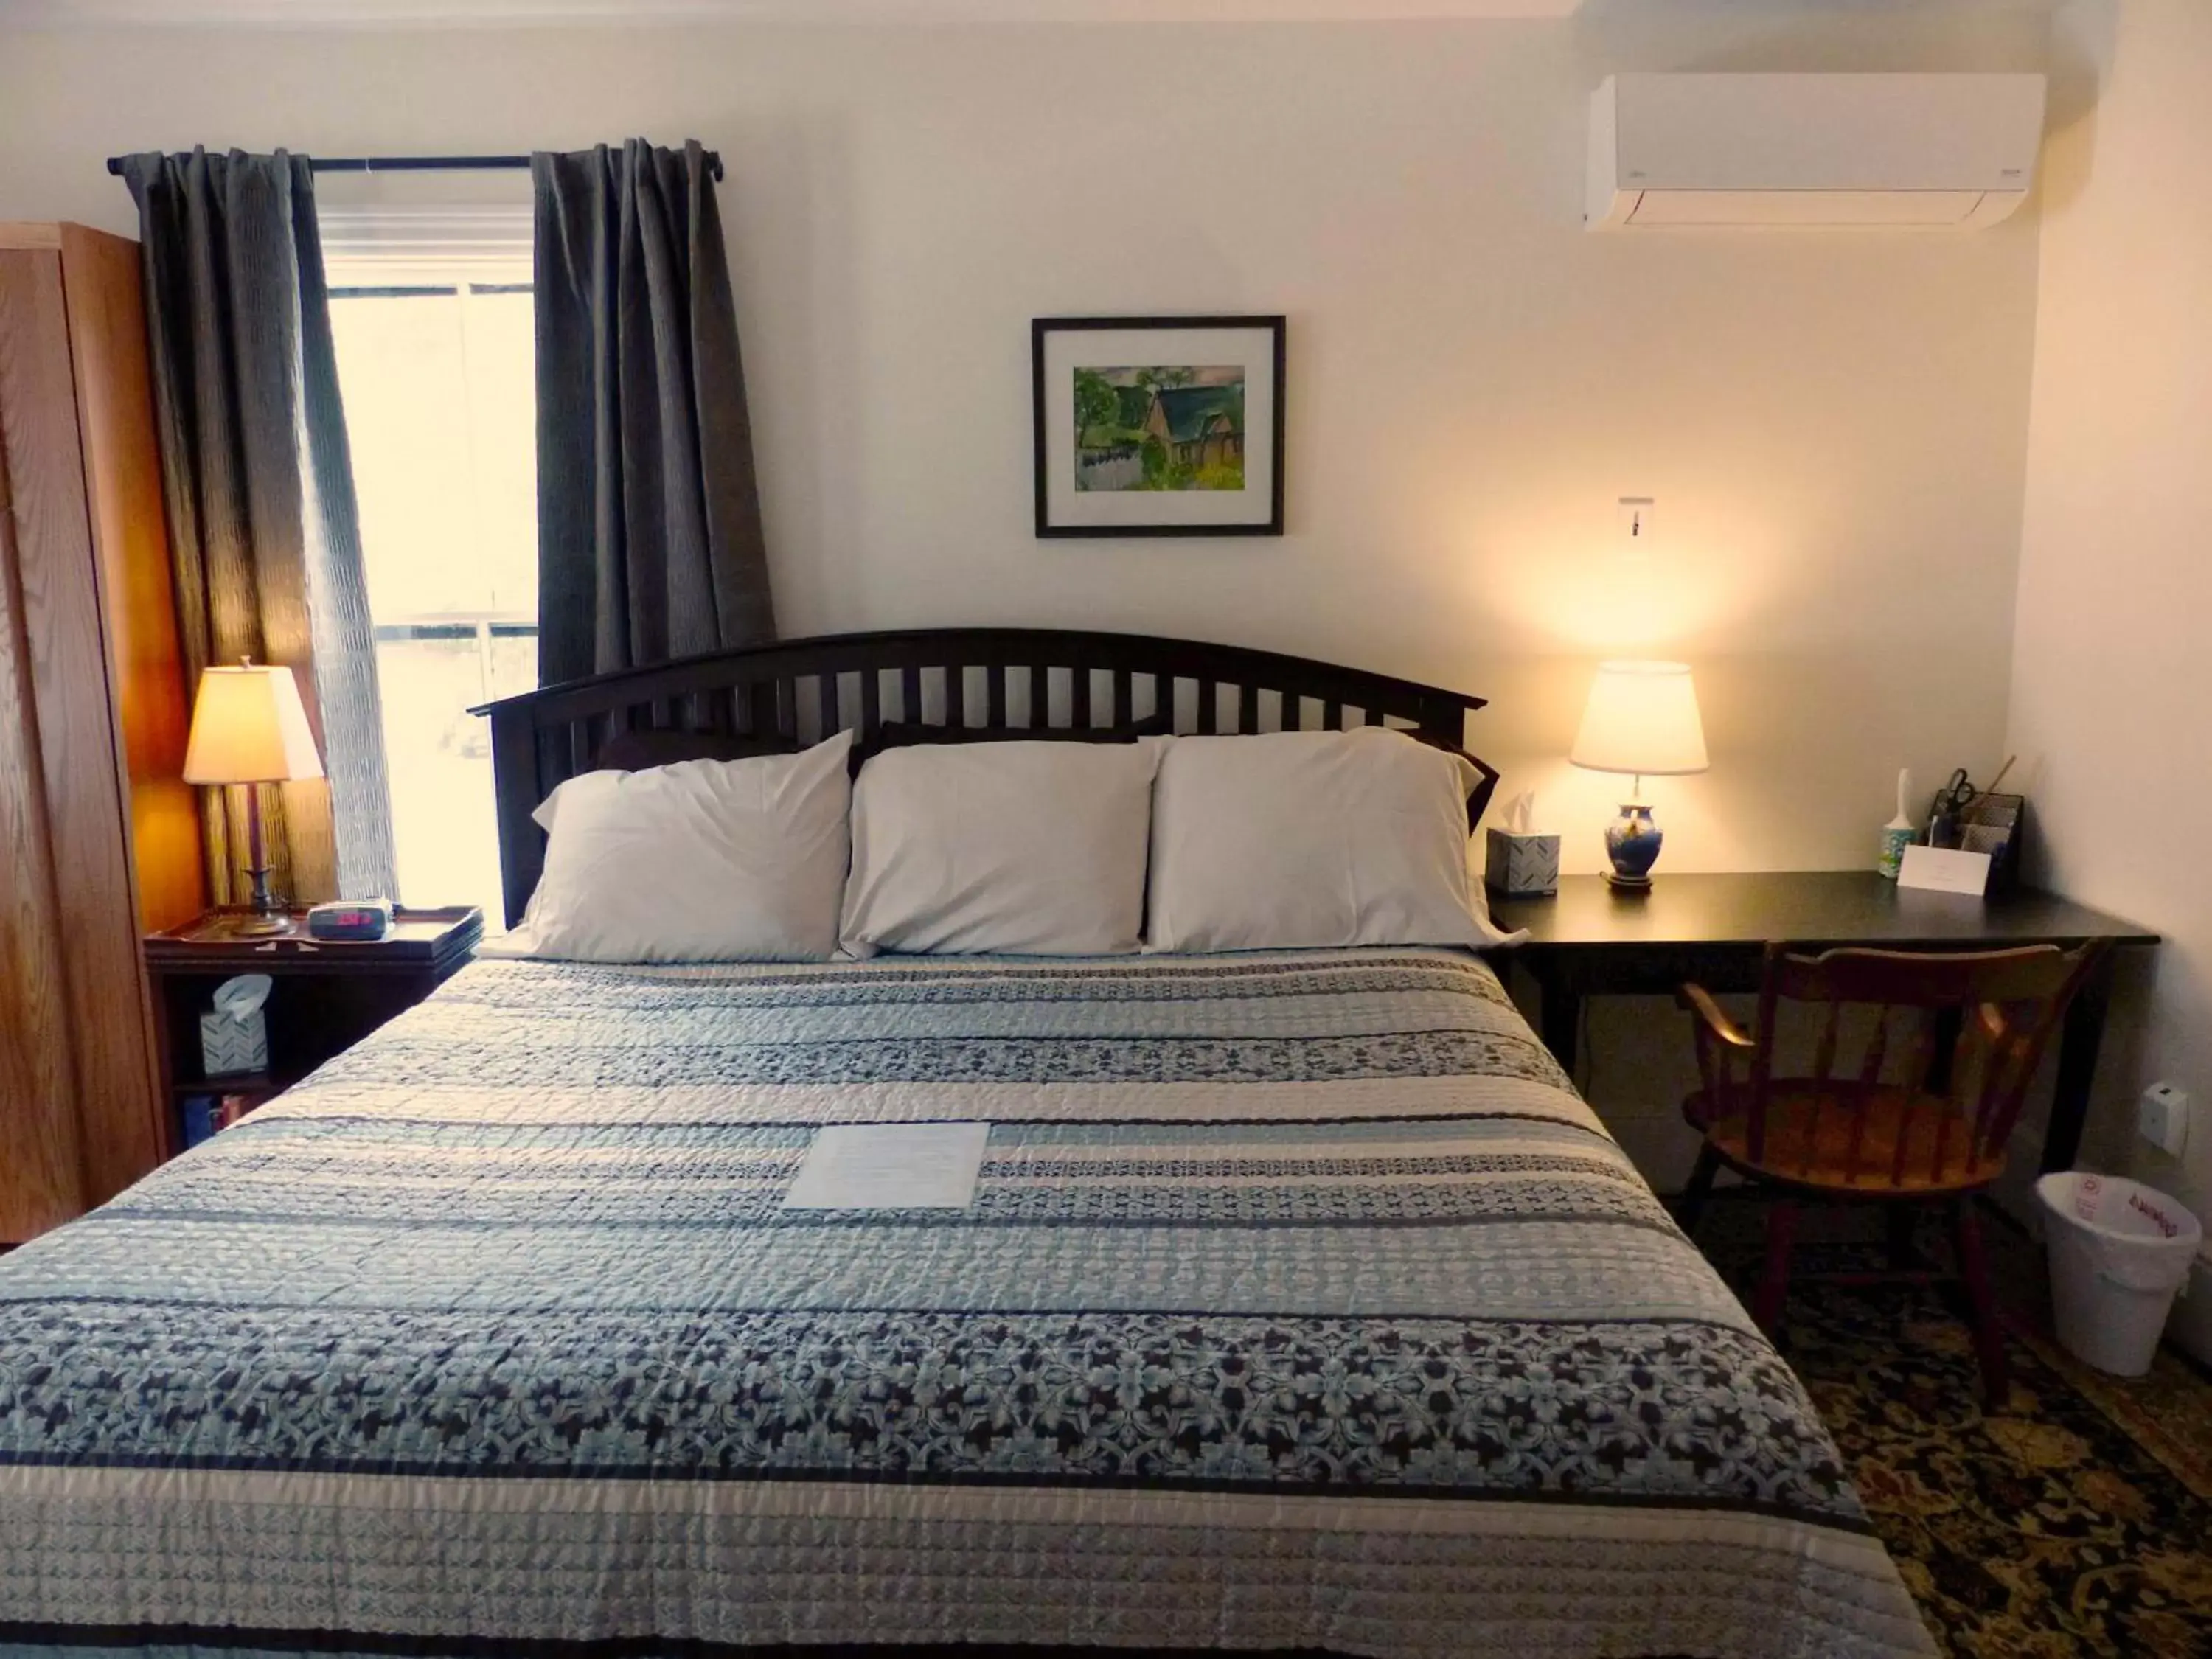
{"type": "Point", "coordinates": [1588, 941]}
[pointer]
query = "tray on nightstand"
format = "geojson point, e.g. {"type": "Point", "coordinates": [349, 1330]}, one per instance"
{"type": "Point", "coordinates": [418, 940]}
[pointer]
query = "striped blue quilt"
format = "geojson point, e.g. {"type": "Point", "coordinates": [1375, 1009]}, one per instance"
{"type": "Point", "coordinates": [1300, 1304]}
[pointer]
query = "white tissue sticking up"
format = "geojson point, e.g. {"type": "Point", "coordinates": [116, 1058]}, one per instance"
{"type": "Point", "coordinates": [1520, 812]}
{"type": "Point", "coordinates": [240, 998]}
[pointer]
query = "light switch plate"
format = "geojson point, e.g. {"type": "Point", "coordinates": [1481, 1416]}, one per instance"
{"type": "Point", "coordinates": [2163, 1118]}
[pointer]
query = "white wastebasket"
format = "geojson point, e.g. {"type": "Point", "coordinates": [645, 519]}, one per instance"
{"type": "Point", "coordinates": [2118, 1252]}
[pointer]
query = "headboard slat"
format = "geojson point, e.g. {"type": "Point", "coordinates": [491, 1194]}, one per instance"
{"type": "Point", "coordinates": [1079, 693]}
{"type": "Point", "coordinates": [872, 703]}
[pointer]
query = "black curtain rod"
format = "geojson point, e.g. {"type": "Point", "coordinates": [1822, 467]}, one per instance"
{"type": "Point", "coordinates": [421, 164]}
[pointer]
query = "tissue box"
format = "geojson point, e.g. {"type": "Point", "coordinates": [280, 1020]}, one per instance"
{"type": "Point", "coordinates": [230, 1047]}
{"type": "Point", "coordinates": [1519, 865]}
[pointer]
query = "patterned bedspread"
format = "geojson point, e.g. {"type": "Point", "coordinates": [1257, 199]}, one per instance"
{"type": "Point", "coordinates": [1301, 1305]}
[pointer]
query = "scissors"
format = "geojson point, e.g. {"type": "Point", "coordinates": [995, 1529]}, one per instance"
{"type": "Point", "coordinates": [1943, 813]}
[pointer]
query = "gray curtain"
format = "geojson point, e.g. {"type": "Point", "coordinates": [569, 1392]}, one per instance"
{"type": "Point", "coordinates": [649, 542]}
{"type": "Point", "coordinates": [262, 527]}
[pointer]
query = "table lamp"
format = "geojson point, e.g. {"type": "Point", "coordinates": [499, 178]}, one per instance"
{"type": "Point", "coordinates": [1642, 719]}
{"type": "Point", "coordinates": [248, 727]}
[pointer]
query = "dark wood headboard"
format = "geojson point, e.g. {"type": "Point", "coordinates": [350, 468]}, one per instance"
{"type": "Point", "coordinates": [808, 689]}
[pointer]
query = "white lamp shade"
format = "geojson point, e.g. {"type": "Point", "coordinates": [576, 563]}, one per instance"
{"type": "Point", "coordinates": [248, 727]}
{"type": "Point", "coordinates": [1643, 717]}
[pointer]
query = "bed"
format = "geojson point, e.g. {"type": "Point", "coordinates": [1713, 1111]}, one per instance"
{"type": "Point", "coordinates": [1300, 1307]}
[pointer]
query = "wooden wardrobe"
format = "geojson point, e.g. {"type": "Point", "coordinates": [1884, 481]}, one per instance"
{"type": "Point", "coordinates": [98, 836]}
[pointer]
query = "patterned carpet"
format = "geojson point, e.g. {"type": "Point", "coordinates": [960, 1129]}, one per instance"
{"type": "Point", "coordinates": [2077, 1521]}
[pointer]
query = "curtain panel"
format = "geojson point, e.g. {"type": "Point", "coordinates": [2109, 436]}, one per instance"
{"type": "Point", "coordinates": [650, 545]}
{"type": "Point", "coordinates": [264, 530]}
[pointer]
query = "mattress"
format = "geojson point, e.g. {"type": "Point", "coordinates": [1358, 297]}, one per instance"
{"type": "Point", "coordinates": [1300, 1305]}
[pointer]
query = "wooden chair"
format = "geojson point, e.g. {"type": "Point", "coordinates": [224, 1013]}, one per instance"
{"type": "Point", "coordinates": [1947, 1047]}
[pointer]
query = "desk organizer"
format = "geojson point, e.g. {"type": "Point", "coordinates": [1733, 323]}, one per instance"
{"type": "Point", "coordinates": [1997, 825]}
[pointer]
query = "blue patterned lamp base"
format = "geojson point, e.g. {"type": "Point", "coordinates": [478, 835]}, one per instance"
{"type": "Point", "coordinates": [1632, 842]}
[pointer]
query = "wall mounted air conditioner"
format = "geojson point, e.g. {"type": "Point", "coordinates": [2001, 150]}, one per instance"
{"type": "Point", "coordinates": [1951, 152]}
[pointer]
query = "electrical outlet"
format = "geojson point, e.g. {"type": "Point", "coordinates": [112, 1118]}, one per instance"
{"type": "Point", "coordinates": [2163, 1118]}
{"type": "Point", "coordinates": [1636, 523]}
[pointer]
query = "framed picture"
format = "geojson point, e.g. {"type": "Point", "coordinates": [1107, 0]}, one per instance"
{"type": "Point", "coordinates": [1159, 425]}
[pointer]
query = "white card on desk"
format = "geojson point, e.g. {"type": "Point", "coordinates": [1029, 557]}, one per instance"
{"type": "Point", "coordinates": [1944, 870]}
{"type": "Point", "coordinates": [890, 1166]}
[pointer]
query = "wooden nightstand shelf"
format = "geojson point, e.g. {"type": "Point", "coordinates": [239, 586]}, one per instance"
{"type": "Point", "coordinates": [328, 994]}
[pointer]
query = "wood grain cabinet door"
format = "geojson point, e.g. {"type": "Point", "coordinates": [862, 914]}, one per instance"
{"type": "Point", "coordinates": [66, 746]}
{"type": "Point", "coordinates": [41, 1184]}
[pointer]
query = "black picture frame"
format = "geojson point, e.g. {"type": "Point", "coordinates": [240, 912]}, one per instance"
{"type": "Point", "coordinates": [1042, 330]}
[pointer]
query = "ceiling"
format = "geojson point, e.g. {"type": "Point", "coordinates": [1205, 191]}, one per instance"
{"type": "Point", "coordinates": [373, 13]}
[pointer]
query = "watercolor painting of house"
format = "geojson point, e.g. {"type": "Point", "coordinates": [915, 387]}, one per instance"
{"type": "Point", "coordinates": [1178, 428]}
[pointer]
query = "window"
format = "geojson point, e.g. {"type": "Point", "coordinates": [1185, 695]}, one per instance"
{"type": "Point", "coordinates": [436, 365]}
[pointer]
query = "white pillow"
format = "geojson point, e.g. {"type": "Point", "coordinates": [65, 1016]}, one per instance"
{"type": "Point", "coordinates": [1029, 849]}
{"type": "Point", "coordinates": [1292, 840]}
{"type": "Point", "coordinates": [739, 861]}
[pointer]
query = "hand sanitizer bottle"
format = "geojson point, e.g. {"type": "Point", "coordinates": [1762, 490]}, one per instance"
{"type": "Point", "coordinates": [1898, 833]}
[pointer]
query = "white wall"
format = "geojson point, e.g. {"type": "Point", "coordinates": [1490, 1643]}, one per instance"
{"type": "Point", "coordinates": [2116, 566]}
{"type": "Point", "coordinates": [1833, 426]}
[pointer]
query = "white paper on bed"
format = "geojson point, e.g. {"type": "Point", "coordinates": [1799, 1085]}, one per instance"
{"type": "Point", "coordinates": [890, 1166]}
{"type": "Point", "coordinates": [1019, 848]}
{"type": "Point", "coordinates": [739, 861]}
{"type": "Point", "coordinates": [1298, 840]}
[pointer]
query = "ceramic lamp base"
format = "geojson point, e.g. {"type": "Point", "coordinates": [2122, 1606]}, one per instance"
{"type": "Point", "coordinates": [1632, 842]}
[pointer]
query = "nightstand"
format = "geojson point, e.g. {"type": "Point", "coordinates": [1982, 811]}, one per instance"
{"type": "Point", "coordinates": [327, 994]}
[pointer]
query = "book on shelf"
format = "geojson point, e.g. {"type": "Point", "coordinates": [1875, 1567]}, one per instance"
{"type": "Point", "coordinates": [204, 1115]}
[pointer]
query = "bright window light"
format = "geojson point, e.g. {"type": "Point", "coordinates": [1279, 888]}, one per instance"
{"type": "Point", "coordinates": [439, 380]}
